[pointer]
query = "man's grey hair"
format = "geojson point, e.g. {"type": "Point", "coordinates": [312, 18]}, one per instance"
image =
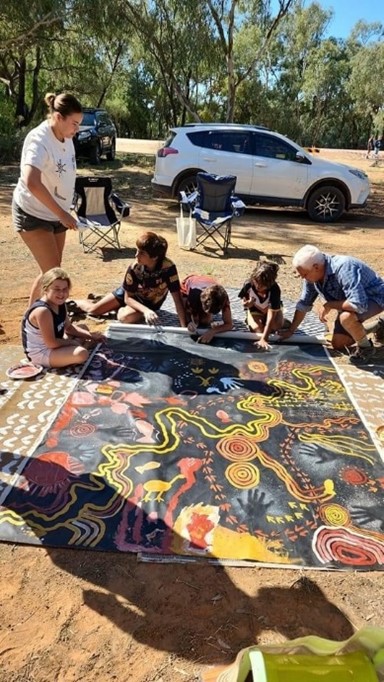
{"type": "Point", "coordinates": [308, 256]}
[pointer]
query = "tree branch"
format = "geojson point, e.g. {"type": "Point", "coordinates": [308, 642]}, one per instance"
{"type": "Point", "coordinates": [26, 36]}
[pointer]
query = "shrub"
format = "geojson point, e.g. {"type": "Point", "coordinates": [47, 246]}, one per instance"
{"type": "Point", "coordinates": [11, 137]}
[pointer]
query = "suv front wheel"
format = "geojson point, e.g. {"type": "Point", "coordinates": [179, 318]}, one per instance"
{"type": "Point", "coordinates": [95, 155]}
{"type": "Point", "coordinates": [326, 204]}
{"type": "Point", "coordinates": [112, 152]}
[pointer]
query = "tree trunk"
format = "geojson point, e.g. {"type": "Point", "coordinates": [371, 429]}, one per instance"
{"type": "Point", "coordinates": [21, 112]}
{"type": "Point", "coordinates": [35, 85]}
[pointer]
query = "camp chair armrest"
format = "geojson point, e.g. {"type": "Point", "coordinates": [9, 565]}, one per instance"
{"type": "Point", "coordinates": [188, 200]}
{"type": "Point", "coordinates": [120, 206]}
{"type": "Point", "coordinates": [238, 206]}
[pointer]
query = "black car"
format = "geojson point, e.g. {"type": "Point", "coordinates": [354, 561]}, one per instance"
{"type": "Point", "coordinates": [96, 136]}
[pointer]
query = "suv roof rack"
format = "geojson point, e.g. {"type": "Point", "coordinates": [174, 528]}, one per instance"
{"type": "Point", "coordinates": [225, 125]}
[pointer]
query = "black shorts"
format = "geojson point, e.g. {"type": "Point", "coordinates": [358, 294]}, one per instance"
{"type": "Point", "coordinates": [25, 222]}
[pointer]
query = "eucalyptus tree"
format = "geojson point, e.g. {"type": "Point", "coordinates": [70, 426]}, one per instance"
{"type": "Point", "coordinates": [58, 45]}
{"type": "Point", "coordinates": [364, 32]}
{"type": "Point", "coordinates": [140, 104]}
{"type": "Point", "coordinates": [328, 117]}
{"type": "Point", "coordinates": [97, 47]}
{"type": "Point", "coordinates": [366, 83]}
{"type": "Point", "coordinates": [26, 28]}
{"type": "Point", "coordinates": [177, 38]}
{"type": "Point", "coordinates": [204, 49]}
{"type": "Point", "coordinates": [286, 63]}
{"type": "Point", "coordinates": [18, 28]}
{"type": "Point", "coordinates": [244, 31]}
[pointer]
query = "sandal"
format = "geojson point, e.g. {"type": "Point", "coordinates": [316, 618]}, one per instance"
{"type": "Point", "coordinates": [73, 308]}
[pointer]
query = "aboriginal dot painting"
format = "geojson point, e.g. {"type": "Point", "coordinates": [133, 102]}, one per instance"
{"type": "Point", "coordinates": [167, 446]}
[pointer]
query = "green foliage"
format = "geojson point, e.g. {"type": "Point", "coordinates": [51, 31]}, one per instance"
{"type": "Point", "coordinates": [10, 136]}
{"type": "Point", "coordinates": [160, 63]}
{"type": "Point", "coordinates": [138, 104]}
{"type": "Point", "coordinates": [366, 84]}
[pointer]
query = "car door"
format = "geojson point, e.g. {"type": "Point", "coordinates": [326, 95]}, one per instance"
{"type": "Point", "coordinates": [227, 152]}
{"type": "Point", "coordinates": [276, 171]}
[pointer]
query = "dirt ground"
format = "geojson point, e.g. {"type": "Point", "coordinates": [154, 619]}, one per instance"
{"type": "Point", "coordinates": [71, 615]}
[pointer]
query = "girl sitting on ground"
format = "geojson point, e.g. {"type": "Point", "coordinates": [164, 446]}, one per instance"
{"type": "Point", "coordinates": [261, 298]}
{"type": "Point", "coordinates": [49, 337]}
{"type": "Point", "coordinates": [145, 286]}
{"type": "Point", "coordinates": [203, 297]}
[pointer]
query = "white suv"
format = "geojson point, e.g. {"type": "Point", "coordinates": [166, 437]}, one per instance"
{"type": "Point", "coordinates": [270, 169]}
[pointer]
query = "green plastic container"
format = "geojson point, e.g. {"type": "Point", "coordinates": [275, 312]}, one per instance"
{"type": "Point", "coordinates": [352, 667]}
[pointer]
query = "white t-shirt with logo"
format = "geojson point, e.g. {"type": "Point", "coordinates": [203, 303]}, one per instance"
{"type": "Point", "coordinates": [57, 162]}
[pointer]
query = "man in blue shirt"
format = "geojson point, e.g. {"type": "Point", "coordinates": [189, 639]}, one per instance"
{"type": "Point", "coordinates": [345, 284]}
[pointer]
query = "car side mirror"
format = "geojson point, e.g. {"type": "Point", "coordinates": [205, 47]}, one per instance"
{"type": "Point", "coordinates": [300, 157]}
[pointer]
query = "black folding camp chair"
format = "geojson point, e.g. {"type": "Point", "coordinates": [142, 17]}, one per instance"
{"type": "Point", "coordinates": [99, 211]}
{"type": "Point", "coordinates": [214, 205]}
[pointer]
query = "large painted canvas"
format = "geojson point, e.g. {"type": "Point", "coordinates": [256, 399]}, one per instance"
{"type": "Point", "coordinates": [171, 447]}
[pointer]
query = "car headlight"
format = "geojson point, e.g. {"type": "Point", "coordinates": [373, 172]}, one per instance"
{"type": "Point", "coordinates": [84, 135]}
{"type": "Point", "coordinates": [359, 174]}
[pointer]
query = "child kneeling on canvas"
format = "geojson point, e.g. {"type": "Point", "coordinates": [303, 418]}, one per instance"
{"type": "Point", "coordinates": [49, 337]}
{"type": "Point", "coordinates": [261, 296]}
{"type": "Point", "coordinates": [203, 298]}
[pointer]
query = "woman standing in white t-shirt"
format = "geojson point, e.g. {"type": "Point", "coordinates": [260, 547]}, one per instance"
{"type": "Point", "coordinates": [44, 192]}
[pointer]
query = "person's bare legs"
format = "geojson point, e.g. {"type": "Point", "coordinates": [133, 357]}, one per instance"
{"type": "Point", "coordinates": [129, 315]}
{"type": "Point", "coordinates": [278, 321]}
{"type": "Point", "coordinates": [68, 355]}
{"type": "Point", "coordinates": [106, 304]}
{"type": "Point", "coordinates": [355, 331]}
{"type": "Point", "coordinates": [47, 250]}
{"type": "Point", "coordinates": [256, 324]}
{"type": "Point", "coordinates": [341, 341]}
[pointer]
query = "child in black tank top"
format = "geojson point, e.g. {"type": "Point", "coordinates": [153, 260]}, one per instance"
{"type": "Point", "coordinates": [261, 296]}
{"type": "Point", "coordinates": [49, 337]}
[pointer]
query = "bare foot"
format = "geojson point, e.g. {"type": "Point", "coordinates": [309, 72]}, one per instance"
{"type": "Point", "coordinates": [85, 305]}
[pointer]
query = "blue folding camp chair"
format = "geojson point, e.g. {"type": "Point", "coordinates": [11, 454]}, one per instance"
{"type": "Point", "coordinates": [214, 205]}
{"type": "Point", "coordinates": [99, 212]}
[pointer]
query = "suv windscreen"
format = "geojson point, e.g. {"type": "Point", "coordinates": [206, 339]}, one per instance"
{"type": "Point", "coordinates": [89, 119]}
{"type": "Point", "coordinates": [103, 119]}
{"type": "Point", "coordinates": [234, 141]}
